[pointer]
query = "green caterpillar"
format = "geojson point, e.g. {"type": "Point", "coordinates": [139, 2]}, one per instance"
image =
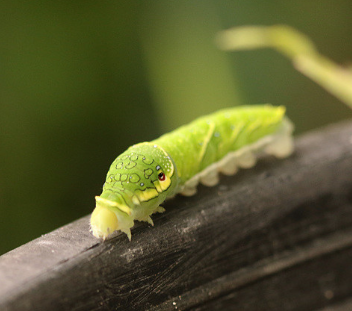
{"type": "Point", "coordinates": [142, 177]}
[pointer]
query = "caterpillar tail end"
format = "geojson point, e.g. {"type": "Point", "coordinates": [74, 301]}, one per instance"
{"type": "Point", "coordinates": [283, 144]}
{"type": "Point", "coordinates": [105, 222]}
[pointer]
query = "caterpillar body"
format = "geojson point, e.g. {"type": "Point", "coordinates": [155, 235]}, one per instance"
{"type": "Point", "coordinates": [142, 177]}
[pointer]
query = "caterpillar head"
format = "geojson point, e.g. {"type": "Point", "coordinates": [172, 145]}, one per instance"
{"type": "Point", "coordinates": [137, 182]}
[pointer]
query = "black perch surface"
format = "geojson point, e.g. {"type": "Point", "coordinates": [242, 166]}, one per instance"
{"type": "Point", "coordinates": [276, 237]}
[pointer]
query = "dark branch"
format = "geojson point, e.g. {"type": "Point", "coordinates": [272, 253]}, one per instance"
{"type": "Point", "coordinates": [276, 237]}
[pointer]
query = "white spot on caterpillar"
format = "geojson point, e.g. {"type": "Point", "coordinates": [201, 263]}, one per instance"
{"type": "Point", "coordinates": [216, 134]}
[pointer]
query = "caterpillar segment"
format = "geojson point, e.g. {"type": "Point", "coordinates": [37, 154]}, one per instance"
{"type": "Point", "coordinates": [142, 177]}
{"type": "Point", "coordinates": [279, 144]}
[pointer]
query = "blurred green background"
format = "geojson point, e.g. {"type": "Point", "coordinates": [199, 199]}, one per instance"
{"type": "Point", "coordinates": [80, 81]}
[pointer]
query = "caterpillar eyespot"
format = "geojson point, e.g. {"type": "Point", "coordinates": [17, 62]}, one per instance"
{"type": "Point", "coordinates": [161, 176]}
{"type": "Point", "coordinates": [142, 177]}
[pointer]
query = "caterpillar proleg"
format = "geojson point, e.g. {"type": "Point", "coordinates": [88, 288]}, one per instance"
{"type": "Point", "coordinates": [142, 177]}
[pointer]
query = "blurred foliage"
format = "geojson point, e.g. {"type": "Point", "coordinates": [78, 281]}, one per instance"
{"type": "Point", "coordinates": [297, 47]}
{"type": "Point", "coordinates": [80, 81]}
